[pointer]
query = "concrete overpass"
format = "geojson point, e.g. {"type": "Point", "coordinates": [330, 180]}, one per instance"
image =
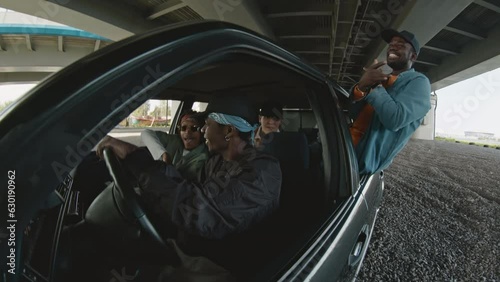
{"type": "Point", "coordinates": [459, 37]}
{"type": "Point", "coordinates": [32, 48]}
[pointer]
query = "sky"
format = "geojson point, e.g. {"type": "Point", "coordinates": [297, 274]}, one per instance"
{"type": "Point", "coordinates": [470, 105]}
{"type": "Point", "coordinates": [13, 92]}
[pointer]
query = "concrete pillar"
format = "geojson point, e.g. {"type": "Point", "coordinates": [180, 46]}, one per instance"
{"type": "Point", "coordinates": [241, 12]}
{"type": "Point", "coordinates": [427, 129]}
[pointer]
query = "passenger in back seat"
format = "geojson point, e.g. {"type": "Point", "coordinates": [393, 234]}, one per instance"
{"type": "Point", "coordinates": [239, 186]}
{"type": "Point", "coordinates": [270, 117]}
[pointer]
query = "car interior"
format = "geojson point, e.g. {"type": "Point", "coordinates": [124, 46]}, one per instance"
{"type": "Point", "coordinates": [74, 238]}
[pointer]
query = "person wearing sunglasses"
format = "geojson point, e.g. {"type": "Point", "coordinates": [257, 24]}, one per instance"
{"type": "Point", "coordinates": [239, 186]}
{"type": "Point", "coordinates": [186, 151]}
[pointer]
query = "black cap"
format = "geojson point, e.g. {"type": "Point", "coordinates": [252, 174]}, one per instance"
{"type": "Point", "coordinates": [272, 109]}
{"type": "Point", "coordinates": [234, 105]}
{"type": "Point", "coordinates": [388, 34]}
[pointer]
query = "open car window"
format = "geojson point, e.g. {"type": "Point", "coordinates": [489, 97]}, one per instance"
{"type": "Point", "coordinates": [308, 173]}
{"type": "Point", "coordinates": [152, 113]}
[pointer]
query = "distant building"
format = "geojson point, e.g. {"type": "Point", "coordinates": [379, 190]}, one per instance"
{"type": "Point", "coordinates": [480, 135]}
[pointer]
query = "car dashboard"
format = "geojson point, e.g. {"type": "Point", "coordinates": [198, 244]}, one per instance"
{"type": "Point", "coordinates": [41, 237]}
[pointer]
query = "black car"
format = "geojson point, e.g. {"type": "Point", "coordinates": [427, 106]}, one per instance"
{"type": "Point", "coordinates": [47, 232]}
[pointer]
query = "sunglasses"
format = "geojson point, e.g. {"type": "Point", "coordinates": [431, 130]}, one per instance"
{"type": "Point", "coordinates": [192, 128]}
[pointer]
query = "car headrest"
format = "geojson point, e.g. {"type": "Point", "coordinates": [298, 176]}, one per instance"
{"type": "Point", "coordinates": [290, 148]}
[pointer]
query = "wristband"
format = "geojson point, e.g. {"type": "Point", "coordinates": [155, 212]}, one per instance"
{"type": "Point", "coordinates": [363, 93]}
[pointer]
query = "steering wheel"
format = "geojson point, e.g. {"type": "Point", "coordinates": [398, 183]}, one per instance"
{"type": "Point", "coordinates": [127, 199]}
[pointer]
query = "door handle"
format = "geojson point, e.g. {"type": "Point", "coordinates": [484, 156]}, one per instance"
{"type": "Point", "coordinates": [357, 249]}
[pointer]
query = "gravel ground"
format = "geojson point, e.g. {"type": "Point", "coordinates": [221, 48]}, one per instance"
{"type": "Point", "coordinates": [440, 216]}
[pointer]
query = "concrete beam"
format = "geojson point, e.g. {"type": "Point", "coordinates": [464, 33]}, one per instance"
{"type": "Point", "coordinates": [465, 30]}
{"type": "Point", "coordinates": [475, 58]}
{"type": "Point", "coordinates": [349, 12]}
{"type": "Point", "coordinates": [30, 69]}
{"type": "Point", "coordinates": [242, 12]}
{"type": "Point", "coordinates": [488, 5]}
{"type": "Point", "coordinates": [426, 63]}
{"type": "Point", "coordinates": [308, 46]}
{"type": "Point", "coordinates": [112, 19]}
{"type": "Point", "coordinates": [60, 43]}
{"type": "Point", "coordinates": [277, 9]}
{"type": "Point", "coordinates": [320, 33]}
{"type": "Point", "coordinates": [301, 9]}
{"type": "Point", "coordinates": [442, 47]}
{"type": "Point", "coordinates": [7, 78]}
{"type": "Point", "coordinates": [410, 18]}
{"type": "Point", "coordinates": [97, 45]}
{"type": "Point", "coordinates": [165, 8]}
{"type": "Point", "coordinates": [46, 58]}
{"type": "Point", "coordinates": [115, 19]}
{"type": "Point", "coordinates": [29, 46]}
{"type": "Point", "coordinates": [299, 14]}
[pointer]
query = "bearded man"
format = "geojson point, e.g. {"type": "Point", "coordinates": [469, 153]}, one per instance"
{"type": "Point", "coordinates": [388, 106]}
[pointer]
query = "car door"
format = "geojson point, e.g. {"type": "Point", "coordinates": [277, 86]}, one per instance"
{"type": "Point", "coordinates": [51, 129]}
{"type": "Point", "coordinates": [369, 186]}
{"type": "Point", "coordinates": [336, 252]}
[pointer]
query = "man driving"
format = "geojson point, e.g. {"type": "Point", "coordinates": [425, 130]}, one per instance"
{"type": "Point", "coordinates": [239, 186]}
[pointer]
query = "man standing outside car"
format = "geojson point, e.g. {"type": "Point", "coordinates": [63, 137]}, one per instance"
{"type": "Point", "coordinates": [387, 108]}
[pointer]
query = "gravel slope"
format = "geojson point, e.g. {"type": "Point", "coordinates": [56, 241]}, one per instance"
{"type": "Point", "coordinates": [440, 217]}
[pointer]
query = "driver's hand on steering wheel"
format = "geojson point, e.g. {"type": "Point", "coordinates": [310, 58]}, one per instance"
{"type": "Point", "coordinates": [119, 147]}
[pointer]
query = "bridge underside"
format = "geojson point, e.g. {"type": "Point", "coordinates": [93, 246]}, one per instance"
{"type": "Point", "coordinates": [459, 37]}
{"type": "Point", "coordinates": [29, 59]}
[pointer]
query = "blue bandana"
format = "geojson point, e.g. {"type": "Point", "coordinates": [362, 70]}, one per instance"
{"type": "Point", "coordinates": [238, 122]}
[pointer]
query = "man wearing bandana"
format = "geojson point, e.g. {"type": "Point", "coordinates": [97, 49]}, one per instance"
{"type": "Point", "coordinates": [239, 186]}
